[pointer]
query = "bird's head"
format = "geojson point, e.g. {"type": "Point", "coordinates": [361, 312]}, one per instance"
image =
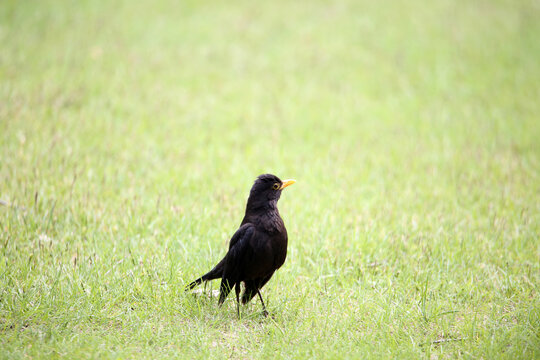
{"type": "Point", "coordinates": [267, 190]}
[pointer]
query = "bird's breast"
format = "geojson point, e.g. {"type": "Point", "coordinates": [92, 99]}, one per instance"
{"type": "Point", "coordinates": [271, 223]}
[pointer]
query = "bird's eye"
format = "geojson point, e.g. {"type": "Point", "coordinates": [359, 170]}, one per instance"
{"type": "Point", "coordinates": [276, 186]}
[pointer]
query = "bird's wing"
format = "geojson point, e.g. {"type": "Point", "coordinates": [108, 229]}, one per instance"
{"type": "Point", "coordinates": [240, 244]}
{"type": "Point", "coordinates": [233, 260]}
{"type": "Point", "coordinates": [245, 230]}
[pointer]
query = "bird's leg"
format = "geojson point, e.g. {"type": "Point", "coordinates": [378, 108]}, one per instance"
{"type": "Point", "coordinates": [237, 291]}
{"type": "Point", "coordinates": [265, 313]}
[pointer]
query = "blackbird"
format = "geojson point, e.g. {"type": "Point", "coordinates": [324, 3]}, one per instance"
{"type": "Point", "coordinates": [257, 249]}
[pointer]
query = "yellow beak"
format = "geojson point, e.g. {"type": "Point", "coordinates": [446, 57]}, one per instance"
{"type": "Point", "coordinates": [287, 183]}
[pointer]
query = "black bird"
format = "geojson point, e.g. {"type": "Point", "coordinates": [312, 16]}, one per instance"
{"type": "Point", "coordinates": [257, 249]}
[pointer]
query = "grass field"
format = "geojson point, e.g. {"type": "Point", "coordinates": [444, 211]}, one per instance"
{"type": "Point", "coordinates": [131, 133]}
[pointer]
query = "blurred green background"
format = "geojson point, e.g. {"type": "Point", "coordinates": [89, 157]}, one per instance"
{"type": "Point", "coordinates": [131, 132]}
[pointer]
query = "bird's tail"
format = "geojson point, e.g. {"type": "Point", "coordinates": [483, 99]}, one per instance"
{"type": "Point", "coordinates": [215, 273]}
{"type": "Point", "coordinates": [194, 283]}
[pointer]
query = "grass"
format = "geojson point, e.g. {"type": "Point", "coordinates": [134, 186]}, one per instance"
{"type": "Point", "coordinates": [131, 132]}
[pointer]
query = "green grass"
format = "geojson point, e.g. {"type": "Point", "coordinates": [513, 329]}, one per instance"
{"type": "Point", "coordinates": [131, 132]}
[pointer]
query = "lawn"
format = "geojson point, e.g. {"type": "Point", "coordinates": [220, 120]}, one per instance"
{"type": "Point", "coordinates": [132, 131]}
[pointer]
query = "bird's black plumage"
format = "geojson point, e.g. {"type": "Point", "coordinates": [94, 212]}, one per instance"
{"type": "Point", "coordinates": [259, 246]}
